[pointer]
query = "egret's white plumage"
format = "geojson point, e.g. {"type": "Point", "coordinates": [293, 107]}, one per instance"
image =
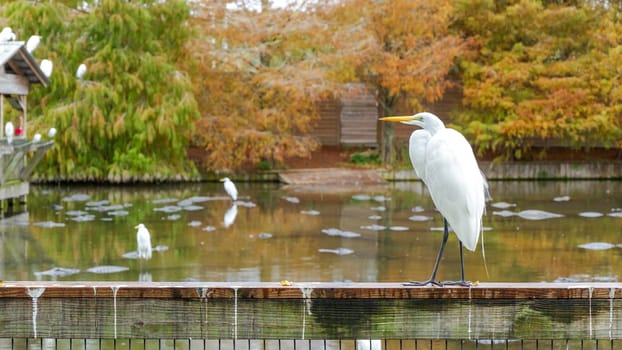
{"type": "Point", "coordinates": [52, 132]}
{"type": "Point", "coordinates": [36, 137]}
{"type": "Point", "coordinates": [81, 71]}
{"type": "Point", "coordinates": [7, 34]}
{"type": "Point", "coordinates": [9, 132]}
{"type": "Point", "coordinates": [144, 242]}
{"type": "Point", "coordinates": [230, 188]}
{"type": "Point", "coordinates": [444, 160]}
{"type": "Point", "coordinates": [46, 67]}
{"type": "Point", "coordinates": [32, 43]}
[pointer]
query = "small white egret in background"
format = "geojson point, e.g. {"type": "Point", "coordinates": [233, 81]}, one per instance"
{"type": "Point", "coordinates": [36, 137]}
{"type": "Point", "coordinates": [81, 70]}
{"type": "Point", "coordinates": [9, 131]}
{"type": "Point", "coordinates": [444, 160]}
{"type": "Point", "coordinates": [144, 242]}
{"type": "Point", "coordinates": [46, 67]}
{"type": "Point", "coordinates": [7, 34]}
{"type": "Point", "coordinates": [32, 43]}
{"type": "Point", "coordinates": [230, 188]}
{"type": "Point", "coordinates": [52, 133]}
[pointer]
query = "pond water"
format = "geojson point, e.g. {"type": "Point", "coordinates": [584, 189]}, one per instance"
{"type": "Point", "coordinates": [535, 231]}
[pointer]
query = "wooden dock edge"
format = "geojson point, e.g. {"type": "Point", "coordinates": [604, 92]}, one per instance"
{"type": "Point", "coordinates": [308, 290]}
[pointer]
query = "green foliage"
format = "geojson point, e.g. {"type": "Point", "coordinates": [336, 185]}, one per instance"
{"type": "Point", "coordinates": [132, 116]}
{"type": "Point", "coordinates": [367, 157]}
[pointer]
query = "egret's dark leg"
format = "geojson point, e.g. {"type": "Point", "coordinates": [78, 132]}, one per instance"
{"type": "Point", "coordinates": [462, 281]}
{"type": "Point", "coordinates": [432, 279]}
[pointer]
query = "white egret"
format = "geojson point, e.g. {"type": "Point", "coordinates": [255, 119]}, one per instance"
{"type": "Point", "coordinates": [144, 242]}
{"type": "Point", "coordinates": [7, 34]}
{"type": "Point", "coordinates": [444, 160]}
{"type": "Point", "coordinates": [36, 137]}
{"type": "Point", "coordinates": [46, 67]}
{"type": "Point", "coordinates": [32, 43]}
{"type": "Point", "coordinates": [9, 132]}
{"type": "Point", "coordinates": [230, 188]}
{"type": "Point", "coordinates": [81, 70]}
{"type": "Point", "coordinates": [52, 132]}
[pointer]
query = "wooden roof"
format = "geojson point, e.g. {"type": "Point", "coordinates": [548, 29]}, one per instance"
{"type": "Point", "coordinates": [17, 60]}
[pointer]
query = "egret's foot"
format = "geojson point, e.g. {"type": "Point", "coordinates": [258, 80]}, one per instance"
{"type": "Point", "coordinates": [462, 283]}
{"type": "Point", "coordinates": [423, 283]}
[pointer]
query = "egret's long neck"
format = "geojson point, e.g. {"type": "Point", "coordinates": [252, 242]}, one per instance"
{"type": "Point", "coordinates": [434, 126]}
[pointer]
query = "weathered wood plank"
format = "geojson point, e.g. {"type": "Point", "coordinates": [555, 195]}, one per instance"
{"type": "Point", "coordinates": [12, 84]}
{"type": "Point", "coordinates": [219, 310]}
{"type": "Point", "coordinates": [312, 290]}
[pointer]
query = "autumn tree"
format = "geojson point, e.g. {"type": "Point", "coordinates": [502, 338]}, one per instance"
{"type": "Point", "coordinates": [403, 49]}
{"type": "Point", "coordinates": [542, 75]}
{"type": "Point", "coordinates": [131, 116]}
{"type": "Point", "coordinates": [258, 78]}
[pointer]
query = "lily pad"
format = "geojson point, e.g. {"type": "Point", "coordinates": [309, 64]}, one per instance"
{"type": "Point", "coordinates": [597, 246]}
{"type": "Point", "coordinates": [58, 272]}
{"type": "Point", "coordinates": [538, 215]}
{"type": "Point", "coordinates": [105, 269]}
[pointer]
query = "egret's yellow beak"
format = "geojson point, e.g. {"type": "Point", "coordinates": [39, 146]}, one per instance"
{"type": "Point", "coordinates": [136, 226]}
{"type": "Point", "coordinates": [401, 118]}
{"type": "Point", "coordinates": [222, 180]}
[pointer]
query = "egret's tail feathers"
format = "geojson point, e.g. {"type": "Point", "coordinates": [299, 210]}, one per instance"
{"type": "Point", "coordinates": [484, 253]}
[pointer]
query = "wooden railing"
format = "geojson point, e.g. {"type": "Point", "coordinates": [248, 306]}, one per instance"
{"type": "Point", "coordinates": [305, 310]}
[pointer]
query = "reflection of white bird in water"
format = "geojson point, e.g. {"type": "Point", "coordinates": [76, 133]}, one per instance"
{"type": "Point", "coordinates": [81, 70]}
{"type": "Point", "coordinates": [144, 242]}
{"type": "Point", "coordinates": [230, 215]}
{"type": "Point", "coordinates": [46, 67]}
{"type": "Point", "coordinates": [444, 160]}
{"type": "Point", "coordinates": [7, 34]}
{"type": "Point", "coordinates": [32, 43]}
{"type": "Point", "coordinates": [9, 131]}
{"type": "Point", "coordinates": [230, 188]}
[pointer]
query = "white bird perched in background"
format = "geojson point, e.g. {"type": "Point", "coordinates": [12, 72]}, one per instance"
{"type": "Point", "coordinates": [46, 67]}
{"type": "Point", "coordinates": [444, 160]}
{"type": "Point", "coordinates": [144, 242]}
{"type": "Point", "coordinates": [9, 131]}
{"type": "Point", "coordinates": [81, 70]}
{"type": "Point", "coordinates": [52, 133]}
{"type": "Point", "coordinates": [36, 137]}
{"type": "Point", "coordinates": [32, 43]}
{"type": "Point", "coordinates": [230, 188]}
{"type": "Point", "coordinates": [7, 34]}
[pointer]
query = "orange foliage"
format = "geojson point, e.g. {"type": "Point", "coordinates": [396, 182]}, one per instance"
{"type": "Point", "coordinates": [261, 73]}
{"type": "Point", "coordinates": [543, 78]}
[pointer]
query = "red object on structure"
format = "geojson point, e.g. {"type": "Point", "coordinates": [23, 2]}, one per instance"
{"type": "Point", "coordinates": [18, 131]}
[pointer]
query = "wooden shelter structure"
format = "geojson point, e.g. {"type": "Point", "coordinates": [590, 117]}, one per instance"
{"type": "Point", "coordinates": [18, 155]}
{"type": "Point", "coordinates": [349, 121]}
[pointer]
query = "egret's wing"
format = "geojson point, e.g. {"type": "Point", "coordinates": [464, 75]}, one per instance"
{"type": "Point", "coordinates": [417, 151]}
{"type": "Point", "coordinates": [456, 184]}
